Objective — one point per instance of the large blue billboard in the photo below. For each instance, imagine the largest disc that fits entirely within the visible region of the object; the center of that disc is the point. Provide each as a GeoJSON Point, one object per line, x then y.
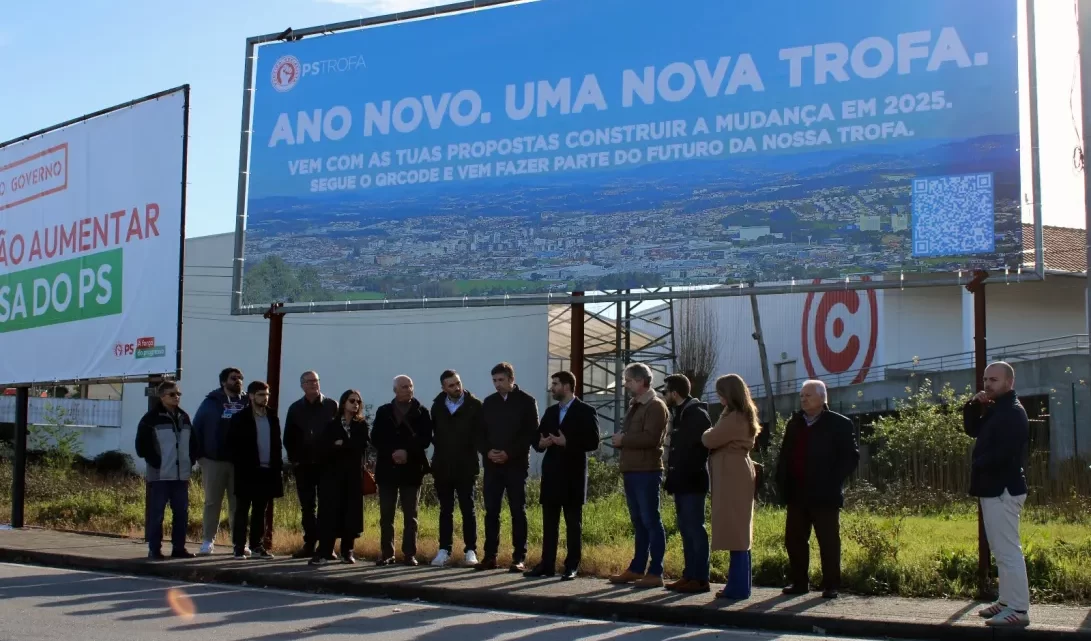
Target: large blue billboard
{"type": "Point", "coordinates": [558, 145]}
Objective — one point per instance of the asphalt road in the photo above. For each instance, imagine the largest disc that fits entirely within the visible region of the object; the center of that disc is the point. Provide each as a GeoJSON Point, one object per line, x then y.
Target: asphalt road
{"type": "Point", "coordinates": [38, 604]}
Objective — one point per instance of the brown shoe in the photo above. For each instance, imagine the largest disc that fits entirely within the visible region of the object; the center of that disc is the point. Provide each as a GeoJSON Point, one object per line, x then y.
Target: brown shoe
{"type": "Point", "coordinates": [488, 563]}
{"type": "Point", "coordinates": [674, 585]}
{"type": "Point", "coordinates": [694, 587]}
{"type": "Point", "coordinates": [649, 581]}
{"type": "Point", "coordinates": [626, 577]}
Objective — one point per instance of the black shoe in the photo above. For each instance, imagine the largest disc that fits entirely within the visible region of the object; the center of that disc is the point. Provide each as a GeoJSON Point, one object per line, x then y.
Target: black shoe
{"type": "Point", "coordinates": [182, 554]}
{"type": "Point", "coordinates": [568, 575]}
{"type": "Point", "coordinates": [829, 594]}
{"type": "Point", "coordinates": [382, 562]}
{"type": "Point", "coordinates": [262, 553]}
{"type": "Point", "coordinates": [517, 567]}
{"type": "Point", "coordinates": [538, 572]}
{"type": "Point", "coordinates": [794, 589]}
{"type": "Point", "coordinates": [488, 563]}
{"type": "Point", "coordinates": [155, 555]}
{"type": "Point", "coordinates": [317, 560]}
{"type": "Point", "coordinates": [348, 558]}
{"type": "Point", "coordinates": [410, 561]}
{"type": "Point", "coordinates": [332, 557]}
{"type": "Point", "coordinates": [306, 552]}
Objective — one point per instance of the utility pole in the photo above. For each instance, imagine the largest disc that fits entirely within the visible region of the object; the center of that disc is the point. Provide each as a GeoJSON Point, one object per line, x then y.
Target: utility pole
{"type": "Point", "coordinates": [771, 398]}
{"type": "Point", "coordinates": [977, 288]}
{"type": "Point", "coordinates": [272, 376]}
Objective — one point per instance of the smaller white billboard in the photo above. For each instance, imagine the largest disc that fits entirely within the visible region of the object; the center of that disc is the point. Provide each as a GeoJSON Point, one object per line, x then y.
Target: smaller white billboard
{"type": "Point", "coordinates": [91, 228]}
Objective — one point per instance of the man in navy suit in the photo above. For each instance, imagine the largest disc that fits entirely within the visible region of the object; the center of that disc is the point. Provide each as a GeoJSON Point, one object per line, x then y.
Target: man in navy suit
{"type": "Point", "coordinates": [568, 431]}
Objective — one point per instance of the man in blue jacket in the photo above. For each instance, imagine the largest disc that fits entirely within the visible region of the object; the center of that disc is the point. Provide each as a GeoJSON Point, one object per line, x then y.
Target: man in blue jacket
{"type": "Point", "coordinates": [996, 418]}
{"type": "Point", "coordinates": [211, 425]}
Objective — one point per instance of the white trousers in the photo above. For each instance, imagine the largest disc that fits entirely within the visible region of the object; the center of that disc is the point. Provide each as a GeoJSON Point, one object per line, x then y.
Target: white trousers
{"type": "Point", "coordinates": [1001, 516]}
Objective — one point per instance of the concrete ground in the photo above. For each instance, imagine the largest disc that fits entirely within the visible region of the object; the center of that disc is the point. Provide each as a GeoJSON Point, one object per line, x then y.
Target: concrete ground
{"type": "Point", "coordinates": [39, 604]}
{"type": "Point", "coordinates": [586, 598]}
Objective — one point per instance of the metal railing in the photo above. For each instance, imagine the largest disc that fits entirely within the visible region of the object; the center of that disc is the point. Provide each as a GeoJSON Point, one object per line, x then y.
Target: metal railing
{"type": "Point", "coordinates": [73, 411]}
{"type": "Point", "coordinates": [1020, 352]}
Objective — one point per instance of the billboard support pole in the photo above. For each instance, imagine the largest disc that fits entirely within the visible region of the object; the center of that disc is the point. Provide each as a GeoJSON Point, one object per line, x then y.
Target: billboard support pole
{"type": "Point", "coordinates": [577, 341]}
{"type": "Point", "coordinates": [771, 398]}
{"type": "Point", "coordinates": [272, 377]}
{"type": "Point", "coordinates": [19, 473]}
{"type": "Point", "coordinates": [1084, 20]}
{"type": "Point", "coordinates": [244, 173]}
{"type": "Point", "coordinates": [977, 288]}
{"type": "Point", "coordinates": [151, 392]}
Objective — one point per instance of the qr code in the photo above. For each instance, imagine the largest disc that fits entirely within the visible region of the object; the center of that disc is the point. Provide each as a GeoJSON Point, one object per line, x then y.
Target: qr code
{"type": "Point", "coordinates": [953, 215]}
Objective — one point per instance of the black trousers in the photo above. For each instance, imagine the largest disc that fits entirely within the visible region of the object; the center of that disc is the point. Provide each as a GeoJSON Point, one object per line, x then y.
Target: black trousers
{"type": "Point", "coordinates": [445, 492]}
{"type": "Point", "coordinates": [551, 526]}
{"type": "Point", "coordinates": [307, 478]}
{"type": "Point", "coordinates": [249, 509]}
{"type": "Point", "coordinates": [513, 480]}
{"type": "Point", "coordinates": [388, 504]}
{"type": "Point", "coordinates": [826, 523]}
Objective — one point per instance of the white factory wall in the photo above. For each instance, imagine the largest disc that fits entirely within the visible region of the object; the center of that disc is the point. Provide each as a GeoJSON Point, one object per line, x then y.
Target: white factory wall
{"type": "Point", "coordinates": [361, 350]}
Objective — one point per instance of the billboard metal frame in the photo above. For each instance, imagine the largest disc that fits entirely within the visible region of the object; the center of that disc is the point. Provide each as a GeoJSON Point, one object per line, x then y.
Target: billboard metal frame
{"type": "Point", "coordinates": [177, 372]}
{"type": "Point", "coordinates": [933, 279]}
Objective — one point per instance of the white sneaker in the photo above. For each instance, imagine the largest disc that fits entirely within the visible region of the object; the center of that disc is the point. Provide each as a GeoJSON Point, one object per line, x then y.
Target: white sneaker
{"type": "Point", "coordinates": [441, 559]}
{"type": "Point", "coordinates": [991, 611]}
{"type": "Point", "coordinates": [470, 559]}
{"type": "Point", "coordinates": [207, 548]}
{"type": "Point", "coordinates": [1008, 618]}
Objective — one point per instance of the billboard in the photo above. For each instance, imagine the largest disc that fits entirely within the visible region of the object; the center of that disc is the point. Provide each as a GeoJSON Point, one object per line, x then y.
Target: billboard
{"type": "Point", "coordinates": [91, 232]}
{"type": "Point", "coordinates": [565, 145]}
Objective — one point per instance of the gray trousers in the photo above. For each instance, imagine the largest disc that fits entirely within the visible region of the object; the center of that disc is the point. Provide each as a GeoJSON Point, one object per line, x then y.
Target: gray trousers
{"type": "Point", "coordinates": [217, 477]}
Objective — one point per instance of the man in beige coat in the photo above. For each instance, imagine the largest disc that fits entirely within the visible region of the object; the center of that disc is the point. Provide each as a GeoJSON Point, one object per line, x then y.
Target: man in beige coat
{"type": "Point", "coordinates": [641, 445]}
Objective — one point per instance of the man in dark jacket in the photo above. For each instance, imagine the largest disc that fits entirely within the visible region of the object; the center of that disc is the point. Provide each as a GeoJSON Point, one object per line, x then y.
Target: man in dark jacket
{"type": "Point", "coordinates": [996, 418]}
{"type": "Point", "coordinates": [511, 429]}
{"type": "Point", "coordinates": [569, 430]}
{"type": "Point", "coordinates": [165, 440]}
{"type": "Point", "coordinates": [303, 426]}
{"type": "Point", "coordinates": [254, 442]}
{"type": "Point", "coordinates": [401, 436]}
{"type": "Point", "coordinates": [211, 424]}
{"type": "Point", "coordinates": [817, 457]}
{"type": "Point", "coordinates": [459, 432]}
{"type": "Point", "coordinates": [687, 480]}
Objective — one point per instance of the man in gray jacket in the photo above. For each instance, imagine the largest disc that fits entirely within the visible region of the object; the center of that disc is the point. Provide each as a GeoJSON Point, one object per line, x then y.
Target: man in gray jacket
{"type": "Point", "coordinates": [165, 440]}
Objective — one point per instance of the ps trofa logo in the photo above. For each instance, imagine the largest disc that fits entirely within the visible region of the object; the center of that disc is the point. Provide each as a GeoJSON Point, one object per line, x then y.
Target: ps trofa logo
{"type": "Point", "coordinates": [286, 73]}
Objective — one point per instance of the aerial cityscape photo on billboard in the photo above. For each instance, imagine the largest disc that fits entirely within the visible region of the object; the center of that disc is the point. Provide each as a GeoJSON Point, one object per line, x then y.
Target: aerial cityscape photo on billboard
{"type": "Point", "coordinates": [565, 145]}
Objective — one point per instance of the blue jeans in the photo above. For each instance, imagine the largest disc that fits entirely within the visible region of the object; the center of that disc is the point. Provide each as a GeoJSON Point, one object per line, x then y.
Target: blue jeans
{"type": "Point", "coordinates": [160, 493]}
{"type": "Point", "coordinates": [642, 495]}
{"type": "Point", "coordinates": [690, 511]}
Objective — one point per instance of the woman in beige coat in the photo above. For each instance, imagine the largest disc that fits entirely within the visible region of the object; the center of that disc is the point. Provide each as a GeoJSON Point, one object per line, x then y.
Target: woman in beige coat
{"type": "Point", "coordinates": [731, 481]}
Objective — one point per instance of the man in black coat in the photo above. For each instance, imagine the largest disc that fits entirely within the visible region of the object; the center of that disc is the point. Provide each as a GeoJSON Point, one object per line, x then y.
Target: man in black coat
{"type": "Point", "coordinates": [459, 430]}
{"type": "Point", "coordinates": [687, 480]}
{"type": "Point", "coordinates": [998, 421]}
{"type": "Point", "coordinates": [255, 450]}
{"type": "Point", "coordinates": [817, 457]}
{"type": "Point", "coordinates": [568, 431]}
{"type": "Point", "coordinates": [511, 429]}
{"type": "Point", "coordinates": [304, 424]}
{"type": "Point", "coordinates": [401, 436]}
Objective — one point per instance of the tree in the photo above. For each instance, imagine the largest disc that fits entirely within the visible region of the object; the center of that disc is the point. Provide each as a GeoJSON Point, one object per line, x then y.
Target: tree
{"type": "Point", "coordinates": [698, 338]}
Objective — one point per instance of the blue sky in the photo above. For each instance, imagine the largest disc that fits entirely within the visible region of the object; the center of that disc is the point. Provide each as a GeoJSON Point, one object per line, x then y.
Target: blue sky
{"type": "Point", "coordinates": [62, 59]}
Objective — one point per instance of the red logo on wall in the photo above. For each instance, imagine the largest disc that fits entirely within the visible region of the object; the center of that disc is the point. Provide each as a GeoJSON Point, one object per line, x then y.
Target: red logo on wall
{"type": "Point", "coordinates": [145, 343]}
{"type": "Point", "coordinates": [124, 349]}
{"type": "Point", "coordinates": [836, 345]}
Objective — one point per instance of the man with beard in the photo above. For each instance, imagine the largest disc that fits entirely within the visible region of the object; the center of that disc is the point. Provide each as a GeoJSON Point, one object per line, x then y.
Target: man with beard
{"type": "Point", "coordinates": [211, 425]}
{"type": "Point", "coordinates": [568, 431]}
{"type": "Point", "coordinates": [459, 433]}
{"type": "Point", "coordinates": [254, 442]}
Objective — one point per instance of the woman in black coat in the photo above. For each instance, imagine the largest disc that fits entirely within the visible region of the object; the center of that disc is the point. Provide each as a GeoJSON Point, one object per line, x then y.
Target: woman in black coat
{"type": "Point", "coordinates": [343, 447]}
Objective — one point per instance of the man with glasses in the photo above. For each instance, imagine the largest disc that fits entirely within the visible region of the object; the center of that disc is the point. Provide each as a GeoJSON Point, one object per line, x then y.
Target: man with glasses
{"type": "Point", "coordinates": [211, 425]}
{"type": "Point", "coordinates": [165, 440]}
{"type": "Point", "coordinates": [303, 426]}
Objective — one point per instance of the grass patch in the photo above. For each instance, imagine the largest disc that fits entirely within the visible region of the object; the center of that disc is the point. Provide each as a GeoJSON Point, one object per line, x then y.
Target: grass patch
{"type": "Point", "coordinates": [911, 552]}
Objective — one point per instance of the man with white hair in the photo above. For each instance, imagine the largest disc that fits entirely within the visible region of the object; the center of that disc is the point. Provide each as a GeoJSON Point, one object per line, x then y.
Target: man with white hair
{"type": "Point", "coordinates": [641, 443]}
{"type": "Point", "coordinates": [817, 457]}
{"type": "Point", "coordinates": [996, 418]}
{"type": "Point", "coordinates": [401, 434]}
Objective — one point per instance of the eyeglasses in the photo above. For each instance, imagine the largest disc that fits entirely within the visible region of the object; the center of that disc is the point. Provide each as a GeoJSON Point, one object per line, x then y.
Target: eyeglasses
{"type": "Point", "coordinates": [354, 401]}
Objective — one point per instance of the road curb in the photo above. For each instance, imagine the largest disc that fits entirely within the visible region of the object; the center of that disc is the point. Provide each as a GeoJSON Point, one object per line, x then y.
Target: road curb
{"type": "Point", "coordinates": [674, 614]}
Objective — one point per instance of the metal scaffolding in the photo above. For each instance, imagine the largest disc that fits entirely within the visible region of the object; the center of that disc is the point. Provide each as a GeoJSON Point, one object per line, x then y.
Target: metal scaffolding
{"type": "Point", "coordinates": [614, 335]}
